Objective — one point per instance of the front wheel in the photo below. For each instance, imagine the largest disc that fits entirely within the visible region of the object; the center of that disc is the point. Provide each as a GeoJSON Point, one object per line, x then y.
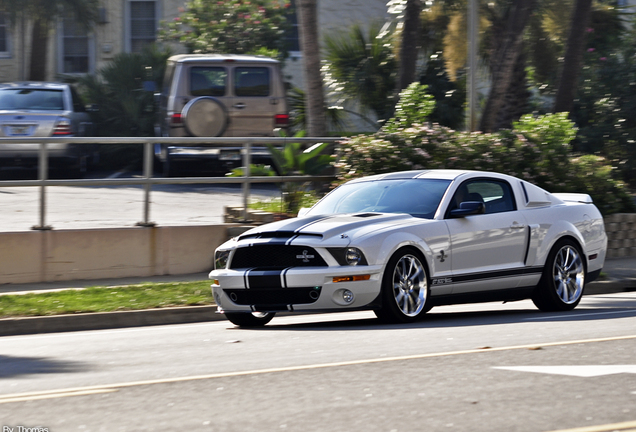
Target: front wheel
{"type": "Point", "coordinates": [254, 319]}
{"type": "Point", "coordinates": [405, 290]}
{"type": "Point", "coordinates": [561, 285]}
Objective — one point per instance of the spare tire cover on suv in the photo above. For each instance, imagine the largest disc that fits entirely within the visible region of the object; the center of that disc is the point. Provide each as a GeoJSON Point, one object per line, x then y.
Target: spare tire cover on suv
{"type": "Point", "coordinates": [205, 117]}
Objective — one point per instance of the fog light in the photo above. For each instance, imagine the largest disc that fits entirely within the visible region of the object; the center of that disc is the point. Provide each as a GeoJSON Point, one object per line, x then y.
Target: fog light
{"type": "Point", "coordinates": [347, 296]}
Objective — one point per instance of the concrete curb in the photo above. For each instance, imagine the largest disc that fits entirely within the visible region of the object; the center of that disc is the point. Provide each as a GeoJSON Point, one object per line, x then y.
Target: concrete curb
{"type": "Point", "coordinates": [181, 315]}
{"type": "Point", "coordinates": [108, 320]}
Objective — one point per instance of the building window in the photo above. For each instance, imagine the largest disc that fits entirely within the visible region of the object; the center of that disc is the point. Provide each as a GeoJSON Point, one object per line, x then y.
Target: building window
{"type": "Point", "coordinates": [75, 48]}
{"type": "Point", "coordinates": [291, 35]}
{"type": "Point", "coordinates": [142, 24]}
{"type": "Point", "coordinates": [4, 36]}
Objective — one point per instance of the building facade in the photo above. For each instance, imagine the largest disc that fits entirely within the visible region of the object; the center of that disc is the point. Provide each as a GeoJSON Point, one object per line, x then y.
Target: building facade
{"type": "Point", "coordinates": [129, 25]}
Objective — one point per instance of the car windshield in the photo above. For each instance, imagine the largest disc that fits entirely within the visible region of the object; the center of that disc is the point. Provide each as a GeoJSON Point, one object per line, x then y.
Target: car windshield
{"type": "Point", "coordinates": [31, 99]}
{"type": "Point", "coordinates": [417, 197]}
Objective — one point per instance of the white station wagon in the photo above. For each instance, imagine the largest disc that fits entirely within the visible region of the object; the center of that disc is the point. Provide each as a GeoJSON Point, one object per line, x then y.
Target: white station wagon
{"type": "Point", "coordinates": [404, 242]}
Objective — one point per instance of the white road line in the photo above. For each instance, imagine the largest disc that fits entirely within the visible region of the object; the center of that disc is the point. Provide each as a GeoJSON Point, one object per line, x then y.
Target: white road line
{"type": "Point", "coordinates": [114, 386]}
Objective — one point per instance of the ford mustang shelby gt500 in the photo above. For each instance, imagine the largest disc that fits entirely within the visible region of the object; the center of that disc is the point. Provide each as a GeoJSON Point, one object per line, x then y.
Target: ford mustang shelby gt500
{"type": "Point", "coordinates": [404, 242]}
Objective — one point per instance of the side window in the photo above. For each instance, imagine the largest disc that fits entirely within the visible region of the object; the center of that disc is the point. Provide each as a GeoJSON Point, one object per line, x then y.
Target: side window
{"type": "Point", "coordinates": [495, 194]}
{"type": "Point", "coordinates": [251, 81]}
{"type": "Point", "coordinates": [208, 81]}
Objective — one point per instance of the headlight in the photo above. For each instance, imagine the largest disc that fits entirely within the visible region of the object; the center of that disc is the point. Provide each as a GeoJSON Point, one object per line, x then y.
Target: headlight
{"type": "Point", "coordinates": [353, 256]}
{"type": "Point", "coordinates": [348, 256]}
{"type": "Point", "coordinates": [220, 259]}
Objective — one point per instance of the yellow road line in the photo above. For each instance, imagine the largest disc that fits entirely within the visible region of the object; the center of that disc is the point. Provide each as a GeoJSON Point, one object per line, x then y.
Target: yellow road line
{"type": "Point", "coordinates": [615, 427]}
{"type": "Point", "coordinates": [114, 386]}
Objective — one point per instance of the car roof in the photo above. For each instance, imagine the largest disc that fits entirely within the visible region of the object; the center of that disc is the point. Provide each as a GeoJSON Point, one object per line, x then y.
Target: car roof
{"type": "Point", "coordinates": [441, 174]}
{"type": "Point", "coordinates": [34, 85]}
{"type": "Point", "coordinates": [221, 58]}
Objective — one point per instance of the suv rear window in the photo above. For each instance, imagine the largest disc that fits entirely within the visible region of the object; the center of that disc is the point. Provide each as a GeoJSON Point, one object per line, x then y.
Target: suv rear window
{"type": "Point", "coordinates": [251, 81]}
{"type": "Point", "coordinates": [208, 81]}
{"type": "Point", "coordinates": [32, 99]}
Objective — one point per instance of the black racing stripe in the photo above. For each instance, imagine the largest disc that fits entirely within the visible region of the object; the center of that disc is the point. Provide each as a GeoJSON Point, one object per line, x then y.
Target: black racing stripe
{"type": "Point", "coordinates": [322, 218]}
{"type": "Point", "coordinates": [264, 279]}
{"type": "Point", "coordinates": [497, 274]}
{"type": "Point", "coordinates": [473, 277]}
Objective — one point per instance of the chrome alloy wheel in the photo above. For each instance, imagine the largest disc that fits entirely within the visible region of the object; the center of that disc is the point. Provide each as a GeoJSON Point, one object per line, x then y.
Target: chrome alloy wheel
{"type": "Point", "coordinates": [569, 274]}
{"type": "Point", "coordinates": [410, 286]}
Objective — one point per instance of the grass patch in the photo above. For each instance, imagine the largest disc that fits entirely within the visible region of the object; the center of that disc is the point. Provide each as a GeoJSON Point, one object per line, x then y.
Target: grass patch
{"type": "Point", "coordinates": [107, 299]}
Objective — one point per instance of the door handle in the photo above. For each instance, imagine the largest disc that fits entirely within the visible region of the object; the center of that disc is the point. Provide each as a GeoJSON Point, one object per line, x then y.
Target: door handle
{"type": "Point", "coordinates": [239, 105]}
{"type": "Point", "coordinates": [516, 226]}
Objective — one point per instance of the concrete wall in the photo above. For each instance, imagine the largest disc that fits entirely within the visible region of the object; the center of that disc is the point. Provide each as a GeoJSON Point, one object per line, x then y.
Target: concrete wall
{"type": "Point", "coordinates": [621, 235]}
{"type": "Point", "coordinates": [46, 256]}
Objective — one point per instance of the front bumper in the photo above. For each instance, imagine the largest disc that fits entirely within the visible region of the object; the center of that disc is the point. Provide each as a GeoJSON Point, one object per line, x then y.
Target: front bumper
{"type": "Point", "coordinates": [295, 289]}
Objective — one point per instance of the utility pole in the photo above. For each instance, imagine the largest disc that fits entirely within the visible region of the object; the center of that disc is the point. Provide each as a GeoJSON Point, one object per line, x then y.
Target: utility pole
{"type": "Point", "coordinates": [473, 39]}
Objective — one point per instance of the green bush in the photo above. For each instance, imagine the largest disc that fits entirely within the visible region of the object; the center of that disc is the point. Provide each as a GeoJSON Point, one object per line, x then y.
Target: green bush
{"type": "Point", "coordinates": [537, 149]}
{"type": "Point", "coordinates": [125, 105]}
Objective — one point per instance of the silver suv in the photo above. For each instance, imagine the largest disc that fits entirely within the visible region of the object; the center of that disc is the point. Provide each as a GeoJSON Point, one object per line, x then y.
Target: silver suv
{"type": "Point", "coordinates": [43, 109]}
{"type": "Point", "coordinates": [212, 95]}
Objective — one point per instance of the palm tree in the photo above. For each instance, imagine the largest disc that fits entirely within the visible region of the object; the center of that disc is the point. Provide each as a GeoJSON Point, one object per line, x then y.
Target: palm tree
{"type": "Point", "coordinates": [410, 43]}
{"type": "Point", "coordinates": [573, 56]}
{"type": "Point", "coordinates": [315, 100]}
{"type": "Point", "coordinates": [505, 57]}
{"type": "Point", "coordinates": [364, 68]}
{"type": "Point", "coordinates": [42, 14]}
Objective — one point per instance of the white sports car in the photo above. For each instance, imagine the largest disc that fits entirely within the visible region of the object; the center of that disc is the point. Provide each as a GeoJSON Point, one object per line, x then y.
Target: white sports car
{"type": "Point", "coordinates": [404, 242]}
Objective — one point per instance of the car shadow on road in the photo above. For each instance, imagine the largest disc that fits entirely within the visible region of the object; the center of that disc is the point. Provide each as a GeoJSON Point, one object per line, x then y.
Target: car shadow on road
{"type": "Point", "coordinates": [445, 317]}
{"type": "Point", "coordinates": [11, 366]}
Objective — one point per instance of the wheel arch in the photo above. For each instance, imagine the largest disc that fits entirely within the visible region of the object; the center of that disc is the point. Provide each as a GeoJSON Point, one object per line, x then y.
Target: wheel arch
{"type": "Point", "coordinates": [558, 232]}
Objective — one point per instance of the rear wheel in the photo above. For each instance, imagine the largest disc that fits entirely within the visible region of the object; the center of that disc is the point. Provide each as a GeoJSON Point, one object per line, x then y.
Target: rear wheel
{"type": "Point", "coordinates": [563, 280]}
{"type": "Point", "coordinates": [254, 319]}
{"type": "Point", "coordinates": [405, 289]}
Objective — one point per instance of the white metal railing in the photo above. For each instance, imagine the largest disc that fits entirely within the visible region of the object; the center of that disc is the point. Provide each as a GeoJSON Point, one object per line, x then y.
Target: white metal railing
{"type": "Point", "coordinates": [148, 179]}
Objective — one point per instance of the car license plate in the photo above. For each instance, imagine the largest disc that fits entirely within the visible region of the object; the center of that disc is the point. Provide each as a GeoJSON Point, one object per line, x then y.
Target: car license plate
{"type": "Point", "coordinates": [20, 130]}
{"type": "Point", "coordinates": [230, 155]}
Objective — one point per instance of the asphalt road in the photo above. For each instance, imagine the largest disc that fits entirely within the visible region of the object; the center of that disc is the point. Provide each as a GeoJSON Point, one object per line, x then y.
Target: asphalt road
{"type": "Point", "coordinates": [489, 367]}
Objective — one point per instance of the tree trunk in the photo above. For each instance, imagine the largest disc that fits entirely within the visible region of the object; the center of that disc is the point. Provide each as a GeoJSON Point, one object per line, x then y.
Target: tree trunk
{"type": "Point", "coordinates": [504, 60]}
{"type": "Point", "coordinates": [314, 96]}
{"type": "Point", "coordinates": [410, 43]}
{"type": "Point", "coordinates": [39, 43]}
{"type": "Point", "coordinates": [517, 97]}
{"type": "Point", "coordinates": [573, 56]}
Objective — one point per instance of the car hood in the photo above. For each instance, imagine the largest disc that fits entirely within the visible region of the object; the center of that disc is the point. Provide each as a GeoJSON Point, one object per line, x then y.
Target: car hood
{"type": "Point", "coordinates": [328, 226]}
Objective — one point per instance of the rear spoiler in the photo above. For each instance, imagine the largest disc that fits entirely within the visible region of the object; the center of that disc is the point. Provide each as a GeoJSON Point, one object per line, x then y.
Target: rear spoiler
{"type": "Point", "coordinates": [574, 197]}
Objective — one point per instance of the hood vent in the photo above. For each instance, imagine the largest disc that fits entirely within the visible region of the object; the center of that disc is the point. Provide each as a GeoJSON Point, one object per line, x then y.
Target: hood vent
{"type": "Point", "coordinates": [276, 235]}
{"type": "Point", "coordinates": [366, 215]}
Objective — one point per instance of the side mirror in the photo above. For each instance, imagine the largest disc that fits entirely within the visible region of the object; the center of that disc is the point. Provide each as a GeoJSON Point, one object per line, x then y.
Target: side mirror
{"type": "Point", "coordinates": [468, 208]}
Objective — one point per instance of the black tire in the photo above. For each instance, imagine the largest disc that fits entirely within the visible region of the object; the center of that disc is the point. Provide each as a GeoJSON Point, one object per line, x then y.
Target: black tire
{"type": "Point", "coordinates": [405, 288]}
{"type": "Point", "coordinates": [563, 280]}
{"type": "Point", "coordinates": [169, 167]}
{"type": "Point", "coordinates": [255, 319]}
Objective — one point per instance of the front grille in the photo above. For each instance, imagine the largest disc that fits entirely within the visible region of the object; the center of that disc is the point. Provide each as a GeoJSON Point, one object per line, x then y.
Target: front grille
{"type": "Point", "coordinates": [276, 256]}
{"type": "Point", "coordinates": [273, 298]}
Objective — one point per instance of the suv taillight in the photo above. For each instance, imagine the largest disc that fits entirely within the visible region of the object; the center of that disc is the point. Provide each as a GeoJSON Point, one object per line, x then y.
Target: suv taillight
{"type": "Point", "coordinates": [176, 119]}
{"type": "Point", "coordinates": [62, 127]}
{"type": "Point", "coordinates": [281, 120]}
